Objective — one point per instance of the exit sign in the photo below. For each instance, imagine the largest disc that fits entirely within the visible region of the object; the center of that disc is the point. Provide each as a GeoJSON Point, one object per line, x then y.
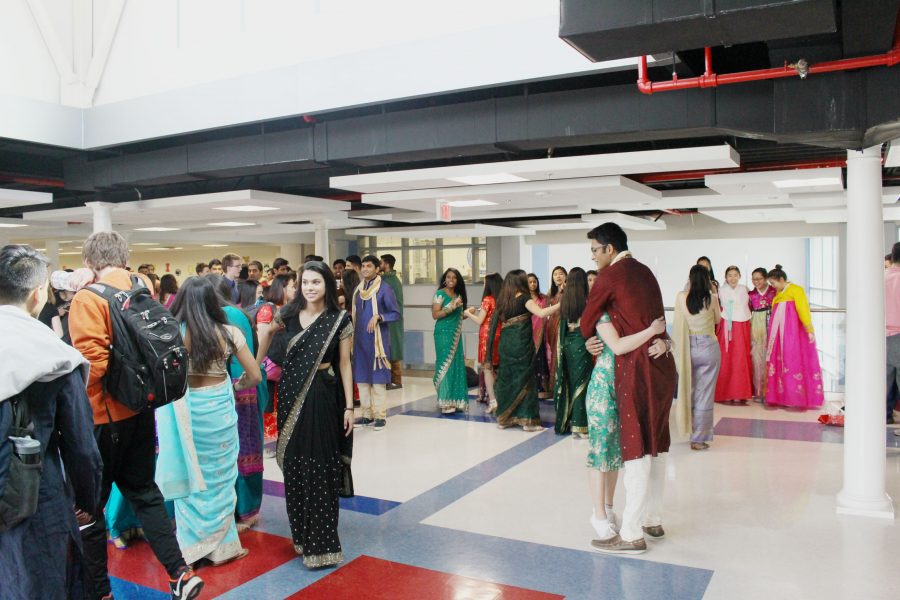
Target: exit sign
{"type": "Point", "coordinates": [443, 211]}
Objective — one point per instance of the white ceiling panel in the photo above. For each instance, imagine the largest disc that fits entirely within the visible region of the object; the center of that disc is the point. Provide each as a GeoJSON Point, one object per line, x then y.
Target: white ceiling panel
{"type": "Point", "coordinates": [777, 183]}
{"type": "Point", "coordinates": [758, 214]}
{"type": "Point", "coordinates": [444, 230]}
{"type": "Point", "coordinates": [628, 222]}
{"type": "Point", "coordinates": [544, 169]}
{"type": "Point", "coordinates": [20, 198]}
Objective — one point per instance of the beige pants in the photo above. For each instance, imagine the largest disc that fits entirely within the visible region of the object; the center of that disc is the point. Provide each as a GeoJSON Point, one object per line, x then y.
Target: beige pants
{"type": "Point", "coordinates": [373, 400]}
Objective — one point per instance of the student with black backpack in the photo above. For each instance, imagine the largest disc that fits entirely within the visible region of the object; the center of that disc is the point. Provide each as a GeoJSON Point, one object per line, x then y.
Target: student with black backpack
{"type": "Point", "coordinates": [138, 362]}
{"type": "Point", "coordinates": [45, 410]}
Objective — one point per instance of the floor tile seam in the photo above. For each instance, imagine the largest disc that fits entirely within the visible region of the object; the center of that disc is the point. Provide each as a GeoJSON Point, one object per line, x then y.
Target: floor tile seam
{"type": "Point", "coordinates": [484, 548]}
{"type": "Point", "coordinates": [424, 505]}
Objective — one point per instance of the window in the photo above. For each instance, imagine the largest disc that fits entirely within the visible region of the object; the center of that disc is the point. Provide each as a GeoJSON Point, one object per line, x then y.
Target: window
{"type": "Point", "coordinates": [822, 269]}
{"type": "Point", "coordinates": [423, 260]}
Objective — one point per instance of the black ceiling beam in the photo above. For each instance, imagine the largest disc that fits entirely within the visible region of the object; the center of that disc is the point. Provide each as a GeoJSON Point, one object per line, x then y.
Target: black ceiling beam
{"type": "Point", "coordinates": [612, 29]}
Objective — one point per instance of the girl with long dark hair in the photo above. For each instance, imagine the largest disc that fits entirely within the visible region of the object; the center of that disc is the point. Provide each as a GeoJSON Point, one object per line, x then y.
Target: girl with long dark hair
{"type": "Point", "coordinates": [697, 356]}
{"type": "Point", "coordinates": [204, 424]}
{"type": "Point", "coordinates": [315, 422]}
{"type": "Point", "coordinates": [573, 362]}
{"type": "Point", "coordinates": [735, 381]}
{"type": "Point", "coordinates": [761, 297]}
{"type": "Point", "coordinates": [705, 262]}
{"type": "Point", "coordinates": [249, 405]}
{"type": "Point", "coordinates": [551, 327]}
{"type": "Point", "coordinates": [515, 386]}
{"type": "Point", "coordinates": [795, 375]}
{"type": "Point", "coordinates": [541, 356]}
{"type": "Point", "coordinates": [447, 309]}
{"type": "Point", "coordinates": [482, 318]}
{"type": "Point", "coordinates": [281, 291]}
{"type": "Point", "coordinates": [168, 287]}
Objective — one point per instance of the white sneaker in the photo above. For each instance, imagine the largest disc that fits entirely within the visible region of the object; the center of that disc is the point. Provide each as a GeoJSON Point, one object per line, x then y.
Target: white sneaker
{"type": "Point", "coordinates": [613, 521]}
{"type": "Point", "coordinates": [602, 528]}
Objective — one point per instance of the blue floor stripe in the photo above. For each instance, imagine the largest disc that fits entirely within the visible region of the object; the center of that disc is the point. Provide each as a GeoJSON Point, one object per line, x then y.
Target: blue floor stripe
{"type": "Point", "coordinates": [126, 590]}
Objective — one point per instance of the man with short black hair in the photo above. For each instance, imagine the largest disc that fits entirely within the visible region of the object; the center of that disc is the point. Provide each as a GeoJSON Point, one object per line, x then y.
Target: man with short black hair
{"type": "Point", "coordinates": [255, 271]}
{"type": "Point", "coordinates": [313, 258]}
{"type": "Point", "coordinates": [44, 376]}
{"type": "Point", "coordinates": [645, 386]}
{"type": "Point", "coordinates": [373, 306]}
{"type": "Point", "coordinates": [354, 262]}
{"type": "Point", "coordinates": [390, 277]}
{"type": "Point", "coordinates": [338, 267]}
{"type": "Point", "coordinates": [231, 265]}
{"type": "Point", "coordinates": [215, 267]}
{"type": "Point", "coordinates": [281, 266]}
{"type": "Point", "coordinates": [127, 440]}
{"type": "Point", "coordinates": [201, 269]}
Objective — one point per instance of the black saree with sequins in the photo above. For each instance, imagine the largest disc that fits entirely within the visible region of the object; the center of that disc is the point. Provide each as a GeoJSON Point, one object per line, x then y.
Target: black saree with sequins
{"type": "Point", "coordinates": [313, 452]}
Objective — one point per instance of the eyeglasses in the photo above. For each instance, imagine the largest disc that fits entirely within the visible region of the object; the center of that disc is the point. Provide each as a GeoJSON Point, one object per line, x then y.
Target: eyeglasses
{"type": "Point", "coordinates": [596, 249]}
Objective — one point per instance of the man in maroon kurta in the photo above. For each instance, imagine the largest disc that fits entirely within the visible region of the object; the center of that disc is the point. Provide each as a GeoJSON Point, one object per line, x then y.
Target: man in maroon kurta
{"type": "Point", "coordinates": [645, 386]}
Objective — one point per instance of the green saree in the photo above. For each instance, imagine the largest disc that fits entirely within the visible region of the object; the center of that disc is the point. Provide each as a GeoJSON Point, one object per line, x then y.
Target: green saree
{"type": "Point", "coordinates": [450, 360]}
{"type": "Point", "coordinates": [573, 372]}
{"type": "Point", "coordinates": [515, 387]}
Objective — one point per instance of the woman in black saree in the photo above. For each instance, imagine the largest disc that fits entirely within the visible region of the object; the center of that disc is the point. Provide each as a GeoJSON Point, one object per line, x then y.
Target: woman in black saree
{"type": "Point", "coordinates": [316, 425]}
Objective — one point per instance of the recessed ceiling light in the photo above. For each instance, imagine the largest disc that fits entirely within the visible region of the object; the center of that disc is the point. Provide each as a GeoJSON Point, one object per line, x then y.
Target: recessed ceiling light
{"type": "Point", "coordinates": [145, 244]}
{"type": "Point", "coordinates": [230, 224]}
{"type": "Point", "coordinates": [69, 253]}
{"type": "Point", "coordinates": [246, 208]}
{"type": "Point", "coordinates": [215, 245]}
{"type": "Point", "coordinates": [12, 225]}
{"type": "Point", "coordinates": [487, 179]}
{"type": "Point", "coordinates": [158, 229]}
{"type": "Point", "coordinates": [802, 183]}
{"type": "Point", "coordinates": [470, 203]}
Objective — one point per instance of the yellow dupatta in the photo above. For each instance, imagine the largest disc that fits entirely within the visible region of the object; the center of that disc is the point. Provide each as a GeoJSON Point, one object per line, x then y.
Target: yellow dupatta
{"type": "Point", "coordinates": [367, 295]}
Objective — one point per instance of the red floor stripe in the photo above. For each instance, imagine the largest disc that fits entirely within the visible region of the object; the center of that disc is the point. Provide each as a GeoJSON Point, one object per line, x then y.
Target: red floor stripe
{"type": "Point", "coordinates": [139, 565]}
{"type": "Point", "coordinates": [376, 579]}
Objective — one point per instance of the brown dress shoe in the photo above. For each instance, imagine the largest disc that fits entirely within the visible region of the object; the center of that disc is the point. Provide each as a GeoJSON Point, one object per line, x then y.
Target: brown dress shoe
{"type": "Point", "coordinates": [699, 445]}
{"type": "Point", "coordinates": [655, 531]}
{"type": "Point", "coordinates": [616, 545]}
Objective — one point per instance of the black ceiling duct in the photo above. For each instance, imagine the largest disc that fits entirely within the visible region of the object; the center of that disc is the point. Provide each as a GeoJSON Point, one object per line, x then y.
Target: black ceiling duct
{"type": "Point", "coordinates": [613, 29]}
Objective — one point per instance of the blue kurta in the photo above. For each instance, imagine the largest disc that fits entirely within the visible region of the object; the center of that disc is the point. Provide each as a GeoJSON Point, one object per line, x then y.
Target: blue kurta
{"type": "Point", "coordinates": [364, 368]}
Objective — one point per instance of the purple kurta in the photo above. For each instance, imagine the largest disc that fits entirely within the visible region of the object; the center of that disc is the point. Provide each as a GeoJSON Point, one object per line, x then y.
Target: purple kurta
{"type": "Point", "coordinates": [364, 370]}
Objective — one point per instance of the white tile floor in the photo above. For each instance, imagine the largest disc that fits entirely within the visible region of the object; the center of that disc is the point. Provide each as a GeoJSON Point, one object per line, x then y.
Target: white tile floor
{"type": "Point", "coordinates": [759, 513]}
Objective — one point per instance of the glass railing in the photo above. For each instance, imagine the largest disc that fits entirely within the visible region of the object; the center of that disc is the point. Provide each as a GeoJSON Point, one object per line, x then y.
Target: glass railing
{"type": "Point", "coordinates": [830, 328]}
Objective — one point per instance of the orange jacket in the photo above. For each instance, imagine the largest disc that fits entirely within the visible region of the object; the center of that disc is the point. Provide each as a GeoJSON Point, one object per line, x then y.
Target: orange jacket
{"type": "Point", "coordinates": [91, 330]}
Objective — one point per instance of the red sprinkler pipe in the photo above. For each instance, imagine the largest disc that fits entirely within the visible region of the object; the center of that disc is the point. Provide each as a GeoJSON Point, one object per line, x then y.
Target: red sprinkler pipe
{"type": "Point", "coordinates": [800, 68]}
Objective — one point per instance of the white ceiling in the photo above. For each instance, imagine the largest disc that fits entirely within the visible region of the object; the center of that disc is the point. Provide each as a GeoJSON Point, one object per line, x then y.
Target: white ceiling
{"type": "Point", "coordinates": [18, 198]}
{"type": "Point", "coordinates": [544, 169]}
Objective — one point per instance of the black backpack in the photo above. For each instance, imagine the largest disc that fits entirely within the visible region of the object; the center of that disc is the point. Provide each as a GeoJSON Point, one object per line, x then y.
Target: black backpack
{"type": "Point", "coordinates": [19, 496]}
{"type": "Point", "coordinates": [148, 363]}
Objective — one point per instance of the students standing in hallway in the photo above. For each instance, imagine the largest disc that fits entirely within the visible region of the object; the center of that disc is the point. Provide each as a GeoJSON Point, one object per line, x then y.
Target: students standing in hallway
{"type": "Point", "coordinates": [541, 356]}
{"type": "Point", "coordinates": [515, 385]}
{"type": "Point", "coordinates": [892, 325]}
{"type": "Point", "coordinates": [735, 376]}
{"type": "Point", "coordinates": [573, 362]}
{"type": "Point", "coordinates": [447, 310]}
{"type": "Point", "coordinates": [628, 291]}
{"type": "Point", "coordinates": [127, 440]}
{"type": "Point", "coordinates": [698, 356]}
{"type": "Point", "coordinates": [551, 326]}
{"type": "Point", "coordinates": [374, 306]}
{"type": "Point", "coordinates": [795, 377]}
{"type": "Point", "coordinates": [761, 297]}
{"type": "Point", "coordinates": [482, 318]}
{"type": "Point", "coordinates": [390, 277]}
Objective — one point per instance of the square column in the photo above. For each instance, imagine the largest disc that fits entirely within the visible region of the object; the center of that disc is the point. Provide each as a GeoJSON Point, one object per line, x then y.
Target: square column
{"type": "Point", "coordinates": [102, 215]}
{"type": "Point", "coordinates": [864, 431]}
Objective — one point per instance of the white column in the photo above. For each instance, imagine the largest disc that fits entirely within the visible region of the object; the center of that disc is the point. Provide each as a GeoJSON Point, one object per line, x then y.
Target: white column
{"type": "Point", "coordinates": [864, 431]}
{"type": "Point", "coordinates": [293, 253]}
{"type": "Point", "coordinates": [102, 215]}
{"type": "Point", "coordinates": [514, 254]}
{"type": "Point", "coordinates": [322, 240]}
{"type": "Point", "coordinates": [51, 251]}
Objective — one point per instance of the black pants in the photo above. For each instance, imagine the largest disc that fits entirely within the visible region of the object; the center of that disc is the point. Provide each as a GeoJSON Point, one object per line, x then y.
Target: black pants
{"type": "Point", "coordinates": [129, 460]}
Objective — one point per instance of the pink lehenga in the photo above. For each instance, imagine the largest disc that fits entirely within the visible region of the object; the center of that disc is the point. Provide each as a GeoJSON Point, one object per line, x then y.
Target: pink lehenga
{"type": "Point", "coordinates": [794, 373]}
